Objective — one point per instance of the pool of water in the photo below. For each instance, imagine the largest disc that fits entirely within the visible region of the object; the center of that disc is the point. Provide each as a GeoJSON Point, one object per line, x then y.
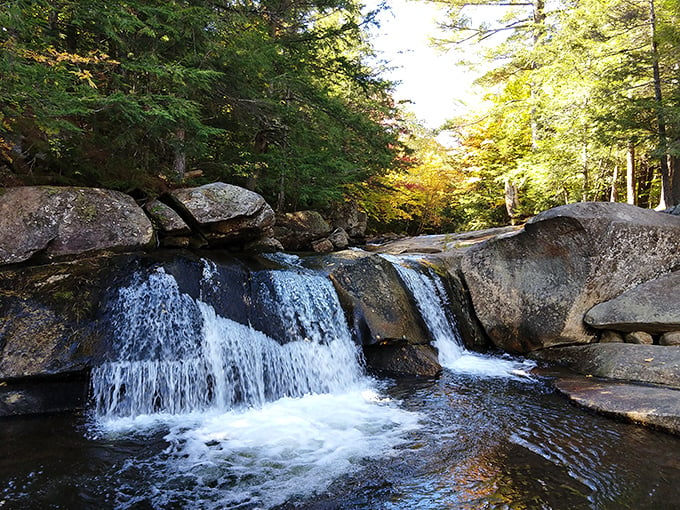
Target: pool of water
{"type": "Point", "coordinates": [458, 441]}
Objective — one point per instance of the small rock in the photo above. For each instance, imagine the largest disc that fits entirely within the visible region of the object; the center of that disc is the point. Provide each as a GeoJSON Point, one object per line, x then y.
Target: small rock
{"type": "Point", "coordinates": [322, 246]}
{"type": "Point", "coordinates": [670, 338]}
{"type": "Point", "coordinates": [611, 337]}
{"type": "Point", "coordinates": [167, 219]}
{"type": "Point", "coordinates": [639, 337]}
{"type": "Point", "coordinates": [264, 245]}
{"type": "Point", "coordinates": [339, 238]}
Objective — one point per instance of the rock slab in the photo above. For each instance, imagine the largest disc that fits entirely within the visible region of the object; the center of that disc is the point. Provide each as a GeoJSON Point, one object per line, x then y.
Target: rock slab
{"type": "Point", "coordinates": [532, 289]}
{"type": "Point", "coordinates": [653, 307]}
{"type": "Point", "coordinates": [654, 364]}
{"type": "Point", "coordinates": [380, 310]}
{"type": "Point", "coordinates": [55, 222]}
{"type": "Point", "coordinates": [653, 406]}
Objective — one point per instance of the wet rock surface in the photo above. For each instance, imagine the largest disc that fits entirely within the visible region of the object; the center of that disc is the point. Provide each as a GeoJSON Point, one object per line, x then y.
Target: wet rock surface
{"type": "Point", "coordinates": [654, 406]}
{"type": "Point", "coordinates": [379, 308]}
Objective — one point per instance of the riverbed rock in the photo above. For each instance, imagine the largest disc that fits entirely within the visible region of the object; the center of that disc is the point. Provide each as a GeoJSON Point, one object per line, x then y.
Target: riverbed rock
{"type": "Point", "coordinates": [532, 289]}
{"type": "Point", "coordinates": [297, 231]}
{"type": "Point", "coordinates": [380, 310]}
{"type": "Point", "coordinates": [653, 364]}
{"type": "Point", "coordinates": [223, 213]}
{"type": "Point", "coordinates": [403, 360]}
{"type": "Point", "coordinates": [50, 223]}
{"type": "Point", "coordinates": [639, 337]}
{"type": "Point", "coordinates": [671, 338]}
{"type": "Point", "coordinates": [611, 337]}
{"type": "Point", "coordinates": [652, 406]}
{"type": "Point", "coordinates": [653, 306]}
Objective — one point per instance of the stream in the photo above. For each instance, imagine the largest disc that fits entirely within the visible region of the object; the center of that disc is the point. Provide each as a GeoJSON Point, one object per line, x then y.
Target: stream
{"type": "Point", "coordinates": [198, 410]}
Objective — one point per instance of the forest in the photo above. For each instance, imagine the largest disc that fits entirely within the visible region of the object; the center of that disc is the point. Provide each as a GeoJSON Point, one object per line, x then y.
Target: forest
{"type": "Point", "coordinates": [286, 97]}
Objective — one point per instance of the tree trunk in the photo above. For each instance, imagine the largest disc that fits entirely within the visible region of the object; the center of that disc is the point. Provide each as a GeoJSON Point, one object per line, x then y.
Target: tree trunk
{"type": "Point", "coordinates": [179, 166]}
{"type": "Point", "coordinates": [666, 197]}
{"type": "Point", "coordinates": [675, 180]}
{"type": "Point", "coordinates": [630, 174]}
{"type": "Point", "coordinates": [613, 195]}
{"type": "Point", "coordinates": [511, 201]}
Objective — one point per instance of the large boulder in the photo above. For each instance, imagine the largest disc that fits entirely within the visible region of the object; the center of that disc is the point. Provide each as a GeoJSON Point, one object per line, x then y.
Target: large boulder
{"type": "Point", "coordinates": [532, 289]}
{"type": "Point", "coordinates": [653, 307]}
{"type": "Point", "coordinates": [381, 310]}
{"type": "Point", "coordinates": [298, 231]}
{"type": "Point", "coordinates": [54, 222]}
{"type": "Point", "coordinates": [224, 213]}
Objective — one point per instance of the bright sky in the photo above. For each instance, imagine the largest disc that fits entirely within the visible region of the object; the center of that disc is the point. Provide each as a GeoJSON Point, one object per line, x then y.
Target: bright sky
{"type": "Point", "coordinates": [438, 88]}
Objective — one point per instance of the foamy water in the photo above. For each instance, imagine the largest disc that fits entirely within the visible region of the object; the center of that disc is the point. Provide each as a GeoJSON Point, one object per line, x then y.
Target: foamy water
{"type": "Point", "coordinates": [432, 301]}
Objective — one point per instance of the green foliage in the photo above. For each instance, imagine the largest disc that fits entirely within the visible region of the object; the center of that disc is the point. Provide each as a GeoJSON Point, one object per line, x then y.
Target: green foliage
{"type": "Point", "coordinates": [136, 94]}
{"type": "Point", "coordinates": [572, 91]}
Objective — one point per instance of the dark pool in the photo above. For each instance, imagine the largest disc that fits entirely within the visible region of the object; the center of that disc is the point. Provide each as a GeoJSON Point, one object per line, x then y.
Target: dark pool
{"type": "Point", "coordinates": [481, 443]}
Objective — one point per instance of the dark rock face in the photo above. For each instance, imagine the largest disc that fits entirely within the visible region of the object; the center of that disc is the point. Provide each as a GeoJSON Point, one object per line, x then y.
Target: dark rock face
{"type": "Point", "coordinates": [380, 309]}
{"type": "Point", "coordinates": [58, 222]}
{"type": "Point", "coordinates": [50, 317]}
{"type": "Point", "coordinates": [532, 289]}
{"type": "Point", "coordinates": [298, 231]}
{"type": "Point", "coordinates": [224, 213]}
{"type": "Point", "coordinates": [403, 359]}
{"type": "Point", "coordinates": [653, 307]}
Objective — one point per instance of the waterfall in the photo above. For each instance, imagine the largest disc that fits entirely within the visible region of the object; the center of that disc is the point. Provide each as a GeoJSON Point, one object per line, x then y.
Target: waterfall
{"type": "Point", "coordinates": [176, 355]}
{"type": "Point", "coordinates": [432, 302]}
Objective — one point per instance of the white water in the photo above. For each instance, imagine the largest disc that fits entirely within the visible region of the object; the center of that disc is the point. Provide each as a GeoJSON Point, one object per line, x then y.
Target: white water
{"type": "Point", "coordinates": [432, 302]}
{"type": "Point", "coordinates": [251, 422]}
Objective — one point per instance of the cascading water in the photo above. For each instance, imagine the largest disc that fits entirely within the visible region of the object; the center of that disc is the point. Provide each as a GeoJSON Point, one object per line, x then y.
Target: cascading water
{"type": "Point", "coordinates": [431, 298]}
{"type": "Point", "coordinates": [176, 355]}
{"type": "Point", "coordinates": [251, 420]}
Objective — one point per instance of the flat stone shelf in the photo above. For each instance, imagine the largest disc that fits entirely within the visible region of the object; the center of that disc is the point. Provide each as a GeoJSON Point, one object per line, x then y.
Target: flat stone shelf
{"type": "Point", "coordinates": [649, 405]}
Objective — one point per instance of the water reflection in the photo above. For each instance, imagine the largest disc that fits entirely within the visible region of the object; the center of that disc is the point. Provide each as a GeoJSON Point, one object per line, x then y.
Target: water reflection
{"type": "Point", "coordinates": [481, 444]}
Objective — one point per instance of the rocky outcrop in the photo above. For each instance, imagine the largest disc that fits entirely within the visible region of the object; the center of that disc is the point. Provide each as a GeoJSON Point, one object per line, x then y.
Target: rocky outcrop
{"type": "Point", "coordinates": [52, 223]}
{"type": "Point", "coordinates": [532, 289]}
{"type": "Point", "coordinates": [403, 359]}
{"type": "Point", "coordinates": [653, 307]}
{"type": "Point", "coordinates": [348, 217]}
{"type": "Point", "coordinates": [380, 310]}
{"type": "Point", "coordinates": [223, 213]}
{"type": "Point", "coordinates": [301, 230]}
